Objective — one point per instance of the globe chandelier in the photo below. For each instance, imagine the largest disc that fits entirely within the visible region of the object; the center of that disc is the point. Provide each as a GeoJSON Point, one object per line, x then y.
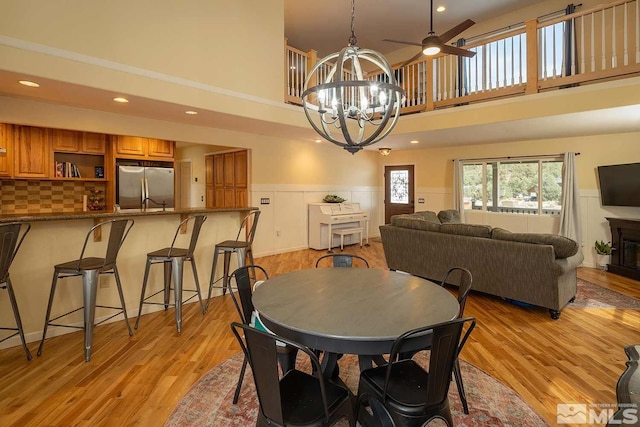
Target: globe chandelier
{"type": "Point", "coordinates": [345, 107]}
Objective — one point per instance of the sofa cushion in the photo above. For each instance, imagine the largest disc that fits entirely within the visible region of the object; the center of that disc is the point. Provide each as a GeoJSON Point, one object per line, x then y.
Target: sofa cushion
{"type": "Point", "coordinates": [472, 230]}
{"type": "Point", "coordinates": [563, 247]}
{"type": "Point", "coordinates": [428, 216]}
{"type": "Point", "coordinates": [407, 221]}
{"type": "Point", "coordinates": [449, 216]}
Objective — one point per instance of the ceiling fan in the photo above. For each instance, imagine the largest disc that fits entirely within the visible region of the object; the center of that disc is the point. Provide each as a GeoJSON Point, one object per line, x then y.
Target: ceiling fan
{"type": "Point", "coordinates": [434, 44]}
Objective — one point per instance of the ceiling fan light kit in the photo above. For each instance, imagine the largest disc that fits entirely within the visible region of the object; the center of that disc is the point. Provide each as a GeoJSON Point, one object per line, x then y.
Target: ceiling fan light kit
{"type": "Point", "coordinates": [434, 44]}
{"type": "Point", "coordinates": [345, 107]}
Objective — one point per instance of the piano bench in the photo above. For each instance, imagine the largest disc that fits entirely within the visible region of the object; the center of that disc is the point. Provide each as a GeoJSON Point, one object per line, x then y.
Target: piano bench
{"type": "Point", "coordinates": [347, 232]}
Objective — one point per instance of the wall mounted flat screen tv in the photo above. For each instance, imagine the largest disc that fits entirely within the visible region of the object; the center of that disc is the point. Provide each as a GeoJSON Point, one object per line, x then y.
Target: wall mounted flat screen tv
{"type": "Point", "coordinates": [620, 184]}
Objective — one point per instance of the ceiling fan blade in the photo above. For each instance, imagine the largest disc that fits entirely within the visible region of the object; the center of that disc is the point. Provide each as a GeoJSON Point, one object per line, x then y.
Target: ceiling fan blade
{"type": "Point", "coordinates": [402, 42]}
{"type": "Point", "coordinates": [452, 50]}
{"type": "Point", "coordinates": [445, 37]}
{"type": "Point", "coordinates": [409, 61]}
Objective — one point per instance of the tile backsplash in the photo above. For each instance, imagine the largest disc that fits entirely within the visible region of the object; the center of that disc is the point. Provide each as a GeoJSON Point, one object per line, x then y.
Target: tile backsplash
{"type": "Point", "coordinates": [21, 197]}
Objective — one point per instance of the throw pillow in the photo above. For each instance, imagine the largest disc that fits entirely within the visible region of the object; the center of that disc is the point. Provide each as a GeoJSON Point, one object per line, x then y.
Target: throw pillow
{"type": "Point", "coordinates": [428, 216]}
{"type": "Point", "coordinates": [449, 216]}
{"type": "Point", "coordinates": [563, 247]}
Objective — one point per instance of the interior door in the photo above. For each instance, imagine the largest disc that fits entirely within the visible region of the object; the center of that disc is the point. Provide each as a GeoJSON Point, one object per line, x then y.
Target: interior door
{"type": "Point", "coordinates": [398, 191]}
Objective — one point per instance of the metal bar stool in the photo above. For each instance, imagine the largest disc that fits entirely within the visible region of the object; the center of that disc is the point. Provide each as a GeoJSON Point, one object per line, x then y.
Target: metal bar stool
{"type": "Point", "coordinates": [10, 242]}
{"type": "Point", "coordinates": [241, 248]}
{"type": "Point", "coordinates": [90, 268]}
{"type": "Point", "coordinates": [173, 260]}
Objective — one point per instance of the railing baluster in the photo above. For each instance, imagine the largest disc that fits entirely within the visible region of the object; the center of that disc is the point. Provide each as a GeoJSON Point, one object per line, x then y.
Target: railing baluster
{"type": "Point", "coordinates": [497, 66]}
{"type": "Point", "coordinates": [614, 57]}
{"type": "Point", "coordinates": [593, 42]}
{"type": "Point", "coordinates": [453, 87]}
{"type": "Point", "coordinates": [445, 91]}
{"type": "Point", "coordinates": [573, 47]}
{"type": "Point", "coordinates": [477, 86]}
{"type": "Point", "coordinates": [582, 59]}
{"type": "Point", "coordinates": [637, 24]}
{"type": "Point", "coordinates": [523, 56]}
{"type": "Point", "coordinates": [625, 46]}
{"type": "Point", "coordinates": [485, 67]}
{"type": "Point", "coordinates": [603, 30]}
{"type": "Point", "coordinates": [411, 87]}
{"type": "Point", "coordinates": [554, 72]}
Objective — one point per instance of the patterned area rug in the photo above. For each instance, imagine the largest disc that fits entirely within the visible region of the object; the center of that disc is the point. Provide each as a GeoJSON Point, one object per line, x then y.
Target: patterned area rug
{"type": "Point", "coordinates": [593, 296]}
{"type": "Point", "coordinates": [208, 403]}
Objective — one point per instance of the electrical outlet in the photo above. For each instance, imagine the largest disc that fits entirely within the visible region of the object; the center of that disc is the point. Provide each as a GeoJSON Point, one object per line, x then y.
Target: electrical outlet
{"type": "Point", "coordinates": [265, 201]}
{"type": "Point", "coordinates": [420, 200]}
{"type": "Point", "coordinates": [278, 233]}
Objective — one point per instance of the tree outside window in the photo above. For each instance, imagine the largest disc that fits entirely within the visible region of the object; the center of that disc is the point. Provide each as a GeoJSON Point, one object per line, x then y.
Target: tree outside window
{"type": "Point", "coordinates": [531, 186]}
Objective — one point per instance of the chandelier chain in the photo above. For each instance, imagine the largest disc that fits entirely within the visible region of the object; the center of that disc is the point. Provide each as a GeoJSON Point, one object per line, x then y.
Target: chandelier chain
{"type": "Point", "coordinates": [353, 41]}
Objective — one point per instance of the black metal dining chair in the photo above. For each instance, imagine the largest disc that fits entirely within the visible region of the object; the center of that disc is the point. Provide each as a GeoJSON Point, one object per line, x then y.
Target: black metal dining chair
{"type": "Point", "coordinates": [412, 395]}
{"type": "Point", "coordinates": [10, 242]}
{"type": "Point", "coordinates": [248, 315]}
{"type": "Point", "coordinates": [297, 398]}
{"type": "Point", "coordinates": [462, 278]}
{"type": "Point", "coordinates": [341, 260]}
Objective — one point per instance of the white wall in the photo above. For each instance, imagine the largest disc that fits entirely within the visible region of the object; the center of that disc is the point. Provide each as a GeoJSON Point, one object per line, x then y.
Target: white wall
{"type": "Point", "coordinates": [283, 223]}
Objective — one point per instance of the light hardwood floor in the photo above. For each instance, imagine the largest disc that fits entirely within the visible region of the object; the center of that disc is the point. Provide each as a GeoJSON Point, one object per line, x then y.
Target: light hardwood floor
{"type": "Point", "coordinates": [138, 380]}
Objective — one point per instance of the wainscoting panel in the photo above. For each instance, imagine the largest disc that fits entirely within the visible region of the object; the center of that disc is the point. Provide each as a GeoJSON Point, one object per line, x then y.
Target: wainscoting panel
{"type": "Point", "coordinates": [284, 221]}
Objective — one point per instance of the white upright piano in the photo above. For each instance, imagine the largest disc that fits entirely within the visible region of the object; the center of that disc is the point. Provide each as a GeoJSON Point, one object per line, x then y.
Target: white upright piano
{"type": "Point", "coordinates": [324, 218]}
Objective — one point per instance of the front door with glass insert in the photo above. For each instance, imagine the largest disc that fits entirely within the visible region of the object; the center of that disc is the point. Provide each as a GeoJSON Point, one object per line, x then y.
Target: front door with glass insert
{"type": "Point", "coordinates": [398, 191]}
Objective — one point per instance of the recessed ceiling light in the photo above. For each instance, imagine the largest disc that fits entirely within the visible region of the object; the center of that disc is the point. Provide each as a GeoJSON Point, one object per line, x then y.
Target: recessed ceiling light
{"type": "Point", "coordinates": [28, 83]}
{"type": "Point", "coordinates": [414, 141]}
{"type": "Point", "coordinates": [191, 112]}
{"type": "Point", "coordinates": [318, 141]}
{"type": "Point", "coordinates": [440, 9]}
{"type": "Point", "coordinates": [121, 100]}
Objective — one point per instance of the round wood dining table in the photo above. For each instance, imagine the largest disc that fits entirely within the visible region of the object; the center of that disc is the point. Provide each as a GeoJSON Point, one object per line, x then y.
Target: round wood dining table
{"type": "Point", "coordinates": [350, 310]}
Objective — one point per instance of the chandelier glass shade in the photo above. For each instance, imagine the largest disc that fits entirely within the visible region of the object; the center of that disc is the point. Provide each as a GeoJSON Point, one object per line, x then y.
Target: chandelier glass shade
{"type": "Point", "coordinates": [345, 106]}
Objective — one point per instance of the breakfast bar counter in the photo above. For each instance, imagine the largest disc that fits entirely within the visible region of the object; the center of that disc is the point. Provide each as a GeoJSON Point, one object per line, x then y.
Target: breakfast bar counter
{"type": "Point", "coordinates": [58, 237]}
{"type": "Point", "coordinates": [102, 214]}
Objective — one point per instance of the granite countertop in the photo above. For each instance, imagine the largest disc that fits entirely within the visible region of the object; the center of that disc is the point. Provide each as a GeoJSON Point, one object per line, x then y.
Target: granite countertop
{"type": "Point", "coordinates": [53, 216]}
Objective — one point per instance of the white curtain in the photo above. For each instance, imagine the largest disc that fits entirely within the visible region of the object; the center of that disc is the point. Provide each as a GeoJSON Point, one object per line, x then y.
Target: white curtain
{"type": "Point", "coordinates": [570, 213]}
{"type": "Point", "coordinates": [458, 193]}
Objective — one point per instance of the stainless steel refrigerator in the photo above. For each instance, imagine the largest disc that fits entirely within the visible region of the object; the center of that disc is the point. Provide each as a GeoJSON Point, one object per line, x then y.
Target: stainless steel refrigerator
{"type": "Point", "coordinates": [145, 187]}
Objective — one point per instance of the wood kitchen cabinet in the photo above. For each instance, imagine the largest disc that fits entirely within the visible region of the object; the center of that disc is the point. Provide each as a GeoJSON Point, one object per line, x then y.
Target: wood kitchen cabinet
{"type": "Point", "coordinates": [138, 147]}
{"type": "Point", "coordinates": [6, 150]}
{"type": "Point", "coordinates": [208, 173]}
{"type": "Point", "coordinates": [226, 179]}
{"type": "Point", "coordinates": [160, 148]}
{"type": "Point", "coordinates": [66, 140]}
{"type": "Point", "coordinates": [130, 145]}
{"type": "Point", "coordinates": [94, 143]}
{"type": "Point", "coordinates": [31, 152]}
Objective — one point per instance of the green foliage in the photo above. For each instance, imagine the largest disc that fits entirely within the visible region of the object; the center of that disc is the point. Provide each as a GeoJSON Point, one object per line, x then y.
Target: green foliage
{"type": "Point", "coordinates": [603, 248]}
{"type": "Point", "coordinates": [332, 198]}
{"type": "Point", "coordinates": [515, 180]}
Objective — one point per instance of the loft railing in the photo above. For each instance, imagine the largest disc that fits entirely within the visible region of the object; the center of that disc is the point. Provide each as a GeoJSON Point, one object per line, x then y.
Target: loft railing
{"type": "Point", "coordinates": [583, 47]}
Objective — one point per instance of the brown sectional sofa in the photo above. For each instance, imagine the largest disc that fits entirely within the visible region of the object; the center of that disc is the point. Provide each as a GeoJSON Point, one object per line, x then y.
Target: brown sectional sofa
{"type": "Point", "coordinates": [537, 269]}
